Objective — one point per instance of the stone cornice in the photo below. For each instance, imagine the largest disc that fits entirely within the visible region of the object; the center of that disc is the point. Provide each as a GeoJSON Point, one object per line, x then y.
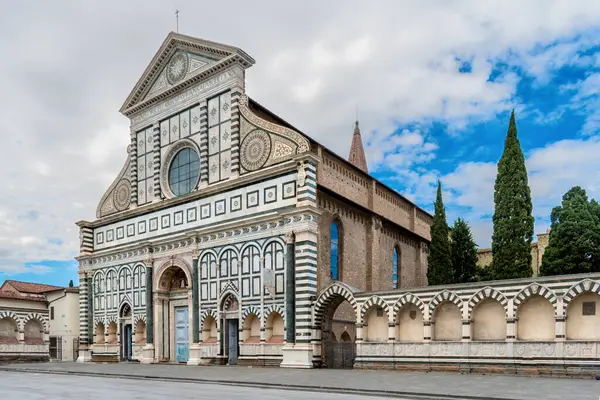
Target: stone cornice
{"type": "Point", "coordinates": [243, 180]}
{"type": "Point", "coordinates": [203, 74]}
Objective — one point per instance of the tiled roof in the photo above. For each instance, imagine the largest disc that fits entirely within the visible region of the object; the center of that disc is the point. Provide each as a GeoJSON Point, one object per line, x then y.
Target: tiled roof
{"type": "Point", "coordinates": [5, 294]}
{"type": "Point", "coordinates": [29, 287]}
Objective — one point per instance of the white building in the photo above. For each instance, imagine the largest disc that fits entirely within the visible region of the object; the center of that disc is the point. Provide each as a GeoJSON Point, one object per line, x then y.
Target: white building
{"type": "Point", "coordinates": [38, 322]}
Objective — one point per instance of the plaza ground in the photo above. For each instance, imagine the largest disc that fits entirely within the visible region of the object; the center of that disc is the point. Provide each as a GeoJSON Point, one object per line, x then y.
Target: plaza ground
{"type": "Point", "coordinates": [243, 379]}
{"type": "Point", "coordinates": [18, 386]}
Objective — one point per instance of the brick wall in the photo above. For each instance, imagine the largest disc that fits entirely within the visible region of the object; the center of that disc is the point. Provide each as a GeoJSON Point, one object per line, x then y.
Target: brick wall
{"type": "Point", "coordinates": [340, 178]}
{"type": "Point", "coordinates": [484, 256]}
{"type": "Point", "coordinates": [366, 249]}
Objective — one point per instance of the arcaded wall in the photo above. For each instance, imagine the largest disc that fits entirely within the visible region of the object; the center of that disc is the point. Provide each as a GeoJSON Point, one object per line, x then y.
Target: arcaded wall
{"type": "Point", "coordinates": [448, 322]}
{"type": "Point", "coordinates": [376, 327]}
{"type": "Point", "coordinates": [489, 321]}
{"type": "Point", "coordinates": [583, 317]}
{"type": "Point", "coordinates": [535, 319]}
{"type": "Point", "coordinates": [409, 324]}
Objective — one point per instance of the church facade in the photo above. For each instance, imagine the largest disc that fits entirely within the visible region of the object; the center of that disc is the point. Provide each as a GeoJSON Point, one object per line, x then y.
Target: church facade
{"type": "Point", "coordinates": [226, 225]}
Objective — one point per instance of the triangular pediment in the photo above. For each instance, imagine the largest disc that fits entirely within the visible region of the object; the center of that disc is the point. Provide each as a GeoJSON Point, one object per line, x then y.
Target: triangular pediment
{"type": "Point", "coordinates": [179, 60]}
{"type": "Point", "coordinates": [182, 65]}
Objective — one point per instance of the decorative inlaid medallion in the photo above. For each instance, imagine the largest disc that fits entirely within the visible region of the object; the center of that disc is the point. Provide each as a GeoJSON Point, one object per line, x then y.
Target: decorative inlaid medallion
{"type": "Point", "coordinates": [121, 195]}
{"type": "Point", "coordinates": [255, 150]}
{"type": "Point", "coordinates": [177, 68]}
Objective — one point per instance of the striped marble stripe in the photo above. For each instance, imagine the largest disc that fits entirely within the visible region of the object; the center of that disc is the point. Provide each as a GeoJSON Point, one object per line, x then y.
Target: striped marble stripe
{"type": "Point", "coordinates": [156, 161]}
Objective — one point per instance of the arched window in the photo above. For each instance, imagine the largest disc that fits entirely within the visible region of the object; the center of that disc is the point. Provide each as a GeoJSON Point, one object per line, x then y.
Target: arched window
{"type": "Point", "coordinates": [334, 261]}
{"type": "Point", "coordinates": [395, 261]}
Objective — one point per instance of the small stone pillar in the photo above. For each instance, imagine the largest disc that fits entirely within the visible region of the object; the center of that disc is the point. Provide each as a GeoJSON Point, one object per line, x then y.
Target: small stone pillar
{"type": "Point", "coordinates": [148, 355]}
{"type": "Point", "coordinates": [195, 348]}
{"type": "Point", "coordinates": [391, 332]}
{"type": "Point", "coordinates": [86, 320]}
{"type": "Point", "coordinates": [466, 330]}
{"type": "Point", "coordinates": [427, 330]}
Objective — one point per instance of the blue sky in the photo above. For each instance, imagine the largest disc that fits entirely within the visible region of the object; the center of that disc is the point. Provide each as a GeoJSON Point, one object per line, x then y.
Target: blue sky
{"type": "Point", "coordinates": [434, 82]}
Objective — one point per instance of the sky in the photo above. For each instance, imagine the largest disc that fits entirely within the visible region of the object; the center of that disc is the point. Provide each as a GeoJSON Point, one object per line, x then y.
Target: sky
{"type": "Point", "coordinates": [434, 83]}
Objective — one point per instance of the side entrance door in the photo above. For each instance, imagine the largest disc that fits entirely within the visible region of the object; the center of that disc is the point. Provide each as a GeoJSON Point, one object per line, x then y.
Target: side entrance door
{"type": "Point", "coordinates": [181, 334]}
{"type": "Point", "coordinates": [232, 328]}
{"type": "Point", "coordinates": [126, 345]}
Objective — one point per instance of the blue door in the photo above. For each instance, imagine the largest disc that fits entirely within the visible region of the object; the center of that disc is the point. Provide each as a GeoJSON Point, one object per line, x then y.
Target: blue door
{"type": "Point", "coordinates": [128, 336]}
{"type": "Point", "coordinates": [232, 329]}
{"type": "Point", "coordinates": [181, 334]}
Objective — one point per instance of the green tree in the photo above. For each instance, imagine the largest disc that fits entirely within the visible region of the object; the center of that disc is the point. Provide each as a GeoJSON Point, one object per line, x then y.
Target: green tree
{"type": "Point", "coordinates": [439, 270]}
{"type": "Point", "coordinates": [513, 222]}
{"type": "Point", "coordinates": [483, 273]}
{"type": "Point", "coordinates": [464, 252]}
{"type": "Point", "coordinates": [71, 283]}
{"type": "Point", "coordinates": [574, 243]}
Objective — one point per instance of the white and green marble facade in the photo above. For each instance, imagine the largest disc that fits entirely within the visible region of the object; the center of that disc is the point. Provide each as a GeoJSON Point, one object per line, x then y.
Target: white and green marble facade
{"type": "Point", "coordinates": [253, 203]}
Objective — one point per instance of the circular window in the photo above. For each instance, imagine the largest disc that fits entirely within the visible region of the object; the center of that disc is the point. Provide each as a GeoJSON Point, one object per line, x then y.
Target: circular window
{"type": "Point", "coordinates": [184, 172]}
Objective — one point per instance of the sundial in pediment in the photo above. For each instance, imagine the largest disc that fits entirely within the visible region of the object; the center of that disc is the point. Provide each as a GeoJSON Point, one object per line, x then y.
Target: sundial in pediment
{"type": "Point", "coordinates": [181, 66]}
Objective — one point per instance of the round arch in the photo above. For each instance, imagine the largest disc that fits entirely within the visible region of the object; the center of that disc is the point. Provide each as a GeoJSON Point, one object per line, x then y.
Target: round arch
{"type": "Point", "coordinates": [207, 313]}
{"type": "Point", "coordinates": [483, 294]}
{"type": "Point", "coordinates": [176, 262]}
{"type": "Point", "coordinates": [228, 294]}
{"type": "Point", "coordinates": [228, 247]}
{"type": "Point", "coordinates": [442, 297]}
{"type": "Point", "coordinates": [373, 301]}
{"type": "Point", "coordinates": [274, 308]}
{"type": "Point", "coordinates": [271, 240]}
{"type": "Point", "coordinates": [251, 310]}
{"type": "Point", "coordinates": [328, 295]}
{"type": "Point", "coordinates": [586, 285]}
{"type": "Point", "coordinates": [408, 298]}
{"type": "Point", "coordinates": [531, 290]}
{"type": "Point", "coordinates": [14, 317]}
{"type": "Point", "coordinates": [35, 316]}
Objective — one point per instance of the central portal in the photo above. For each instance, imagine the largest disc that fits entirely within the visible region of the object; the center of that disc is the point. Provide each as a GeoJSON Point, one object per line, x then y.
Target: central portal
{"type": "Point", "coordinates": [181, 334]}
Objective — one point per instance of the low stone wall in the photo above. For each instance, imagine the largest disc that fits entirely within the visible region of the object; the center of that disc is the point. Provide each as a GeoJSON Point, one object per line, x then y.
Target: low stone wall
{"type": "Point", "coordinates": [540, 326]}
{"type": "Point", "coordinates": [569, 358]}
{"type": "Point", "coordinates": [24, 352]}
{"type": "Point", "coordinates": [261, 354]}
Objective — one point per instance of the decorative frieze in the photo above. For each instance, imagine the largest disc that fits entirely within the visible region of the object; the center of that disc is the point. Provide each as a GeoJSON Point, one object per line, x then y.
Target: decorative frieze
{"type": "Point", "coordinates": [244, 202]}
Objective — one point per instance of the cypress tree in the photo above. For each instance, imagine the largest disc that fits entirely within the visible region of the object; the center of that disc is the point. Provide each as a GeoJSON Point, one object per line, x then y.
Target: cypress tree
{"type": "Point", "coordinates": [513, 222]}
{"type": "Point", "coordinates": [464, 252]}
{"type": "Point", "coordinates": [574, 243]}
{"type": "Point", "coordinates": [71, 283]}
{"type": "Point", "coordinates": [439, 269]}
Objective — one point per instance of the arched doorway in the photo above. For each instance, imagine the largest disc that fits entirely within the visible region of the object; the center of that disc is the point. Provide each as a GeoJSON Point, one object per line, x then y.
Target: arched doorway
{"type": "Point", "coordinates": [230, 317]}
{"type": "Point", "coordinates": [335, 317]}
{"type": "Point", "coordinates": [172, 305]}
{"type": "Point", "coordinates": [126, 324]}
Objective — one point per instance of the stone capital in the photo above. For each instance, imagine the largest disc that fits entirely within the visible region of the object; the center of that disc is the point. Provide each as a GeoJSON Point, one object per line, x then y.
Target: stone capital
{"type": "Point", "coordinates": [290, 237]}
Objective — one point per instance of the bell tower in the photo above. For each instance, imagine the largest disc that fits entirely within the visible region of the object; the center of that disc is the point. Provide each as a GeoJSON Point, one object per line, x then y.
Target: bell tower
{"type": "Point", "coordinates": [357, 152]}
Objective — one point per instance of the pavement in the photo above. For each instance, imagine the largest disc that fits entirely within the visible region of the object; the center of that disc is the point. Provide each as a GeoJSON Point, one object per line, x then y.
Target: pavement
{"type": "Point", "coordinates": [18, 386]}
{"type": "Point", "coordinates": [411, 385]}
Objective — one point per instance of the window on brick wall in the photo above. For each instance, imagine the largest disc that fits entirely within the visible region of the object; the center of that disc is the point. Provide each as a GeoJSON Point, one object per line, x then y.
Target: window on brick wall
{"type": "Point", "coordinates": [395, 261]}
{"type": "Point", "coordinates": [334, 261]}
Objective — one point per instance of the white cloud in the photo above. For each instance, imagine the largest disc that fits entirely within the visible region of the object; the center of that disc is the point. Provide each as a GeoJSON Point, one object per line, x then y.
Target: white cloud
{"type": "Point", "coordinates": [64, 140]}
